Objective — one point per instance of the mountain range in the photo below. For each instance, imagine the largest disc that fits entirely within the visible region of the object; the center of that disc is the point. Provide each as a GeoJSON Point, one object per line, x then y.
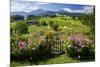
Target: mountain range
{"type": "Point", "coordinates": [45, 12]}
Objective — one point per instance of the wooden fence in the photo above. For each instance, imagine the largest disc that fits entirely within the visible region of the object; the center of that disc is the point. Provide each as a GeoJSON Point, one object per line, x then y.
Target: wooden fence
{"type": "Point", "coordinates": [55, 46]}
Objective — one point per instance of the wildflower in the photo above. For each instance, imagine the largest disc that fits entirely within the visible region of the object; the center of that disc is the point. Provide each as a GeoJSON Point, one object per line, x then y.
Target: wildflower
{"type": "Point", "coordinates": [83, 46]}
{"type": "Point", "coordinates": [78, 50]}
{"type": "Point", "coordinates": [79, 56]}
{"type": "Point", "coordinates": [33, 48]}
{"type": "Point", "coordinates": [22, 44]}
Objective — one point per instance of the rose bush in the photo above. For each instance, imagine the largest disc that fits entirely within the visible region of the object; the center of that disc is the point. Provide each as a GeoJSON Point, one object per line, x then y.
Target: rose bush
{"type": "Point", "coordinates": [80, 47]}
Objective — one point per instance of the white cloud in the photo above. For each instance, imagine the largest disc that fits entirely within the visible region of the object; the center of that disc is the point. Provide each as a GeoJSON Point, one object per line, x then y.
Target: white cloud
{"type": "Point", "coordinates": [22, 5]}
{"type": "Point", "coordinates": [73, 10]}
{"type": "Point", "coordinates": [85, 9]}
{"type": "Point", "coordinates": [41, 3]}
{"type": "Point", "coordinates": [88, 9]}
{"type": "Point", "coordinates": [18, 6]}
{"type": "Point", "coordinates": [25, 6]}
{"type": "Point", "coordinates": [33, 8]}
{"type": "Point", "coordinates": [67, 9]}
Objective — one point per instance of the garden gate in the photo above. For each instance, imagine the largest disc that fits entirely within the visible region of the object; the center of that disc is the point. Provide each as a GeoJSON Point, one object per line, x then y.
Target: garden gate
{"type": "Point", "coordinates": [56, 46]}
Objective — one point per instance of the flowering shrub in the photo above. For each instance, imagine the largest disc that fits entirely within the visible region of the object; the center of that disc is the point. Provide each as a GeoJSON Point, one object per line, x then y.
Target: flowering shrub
{"type": "Point", "coordinates": [36, 47]}
{"type": "Point", "coordinates": [18, 41]}
{"type": "Point", "coordinates": [81, 47]}
{"type": "Point", "coordinates": [79, 39]}
{"type": "Point", "coordinates": [37, 43]}
{"type": "Point", "coordinates": [35, 40]}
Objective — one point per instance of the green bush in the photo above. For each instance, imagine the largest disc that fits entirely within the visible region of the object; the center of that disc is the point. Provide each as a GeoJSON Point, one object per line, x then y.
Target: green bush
{"type": "Point", "coordinates": [72, 51]}
{"type": "Point", "coordinates": [22, 54]}
{"type": "Point", "coordinates": [21, 27]}
{"type": "Point", "coordinates": [16, 18]}
{"type": "Point", "coordinates": [44, 23]}
{"type": "Point", "coordinates": [51, 23]}
{"type": "Point", "coordinates": [55, 27]}
{"type": "Point", "coordinates": [83, 53]}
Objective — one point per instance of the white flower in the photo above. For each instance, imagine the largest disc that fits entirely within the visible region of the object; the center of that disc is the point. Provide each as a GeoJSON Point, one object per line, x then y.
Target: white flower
{"type": "Point", "coordinates": [33, 48]}
{"type": "Point", "coordinates": [78, 56]}
{"type": "Point", "coordinates": [83, 46]}
{"type": "Point", "coordinates": [78, 50]}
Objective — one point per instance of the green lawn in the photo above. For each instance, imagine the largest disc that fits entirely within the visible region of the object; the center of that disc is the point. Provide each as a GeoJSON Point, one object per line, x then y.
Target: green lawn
{"type": "Point", "coordinates": [56, 60]}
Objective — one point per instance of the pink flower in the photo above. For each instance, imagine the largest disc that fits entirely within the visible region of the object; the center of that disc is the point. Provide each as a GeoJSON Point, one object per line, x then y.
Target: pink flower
{"type": "Point", "coordinates": [21, 44]}
{"type": "Point", "coordinates": [78, 38]}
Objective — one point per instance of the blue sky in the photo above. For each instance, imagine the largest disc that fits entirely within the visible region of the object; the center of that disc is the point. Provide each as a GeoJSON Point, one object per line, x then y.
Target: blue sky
{"type": "Point", "coordinates": [28, 6]}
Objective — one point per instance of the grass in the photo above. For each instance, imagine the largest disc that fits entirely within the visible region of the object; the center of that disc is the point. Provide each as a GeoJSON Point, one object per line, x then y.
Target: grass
{"type": "Point", "coordinates": [68, 22]}
{"type": "Point", "coordinates": [34, 28]}
{"type": "Point", "coordinates": [68, 28]}
{"type": "Point", "coordinates": [56, 60]}
{"type": "Point", "coordinates": [59, 60]}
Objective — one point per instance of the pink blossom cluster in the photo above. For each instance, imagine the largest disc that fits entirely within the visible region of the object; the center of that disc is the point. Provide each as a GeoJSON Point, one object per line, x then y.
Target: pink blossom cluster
{"type": "Point", "coordinates": [78, 38]}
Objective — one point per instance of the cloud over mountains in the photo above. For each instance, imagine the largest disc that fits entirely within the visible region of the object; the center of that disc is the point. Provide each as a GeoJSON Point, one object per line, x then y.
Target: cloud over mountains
{"type": "Point", "coordinates": [28, 6]}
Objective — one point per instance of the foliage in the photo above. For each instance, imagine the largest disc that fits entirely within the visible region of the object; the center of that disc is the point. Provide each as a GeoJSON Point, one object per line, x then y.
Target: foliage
{"type": "Point", "coordinates": [55, 27]}
{"type": "Point", "coordinates": [88, 19]}
{"type": "Point", "coordinates": [44, 23]}
{"type": "Point", "coordinates": [16, 18]}
{"type": "Point", "coordinates": [51, 23]}
{"type": "Point", "coordinates": [81, 47]}
{"type": "Point", "coordinates": [21, 27]}
{"type": "Point", "coordinates": [49, 34]}
{"type": "Point", "coordinates": [22, 54]}
{"type": "Point", "coordinates": [30, 17]}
